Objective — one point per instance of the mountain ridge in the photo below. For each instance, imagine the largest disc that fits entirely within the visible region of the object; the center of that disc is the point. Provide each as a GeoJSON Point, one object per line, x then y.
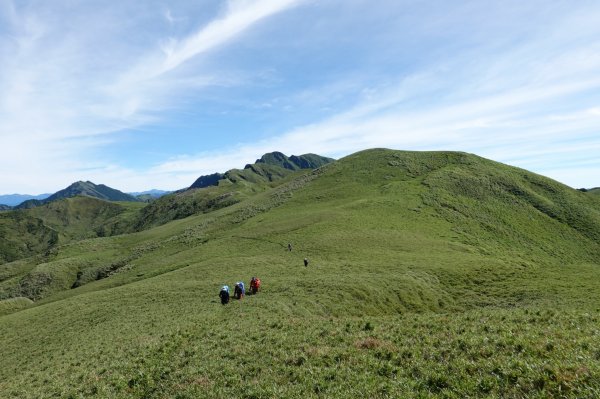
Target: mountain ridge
{"type": "Point", "coordinates": [294, 162]}
{"type": "Point", "coordinates": [276, 158]}
{"type": "Point", "coordinates": [220, 190]}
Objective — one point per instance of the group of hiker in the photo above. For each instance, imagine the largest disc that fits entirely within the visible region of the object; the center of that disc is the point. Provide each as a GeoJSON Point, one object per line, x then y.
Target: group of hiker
{"type": "Point", "coordinates": [239, 290]}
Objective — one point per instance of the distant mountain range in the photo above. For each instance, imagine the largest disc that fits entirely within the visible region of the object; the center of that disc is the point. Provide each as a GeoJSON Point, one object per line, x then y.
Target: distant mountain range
{"type": "Point", "coordinates": [87, 189]}
{"type": "Point", "coordinates": [103, 192]}
{"type": "Point", "coordinates": [100, 191]}
{"type": "Point", "coordinates": [150, 195]}
{"type": "Point", "coordinates": [16, 199]}
{"type": "Point", "coordinates": [86, 210]}
{"type": "Point", "coordinates": [153, 193]}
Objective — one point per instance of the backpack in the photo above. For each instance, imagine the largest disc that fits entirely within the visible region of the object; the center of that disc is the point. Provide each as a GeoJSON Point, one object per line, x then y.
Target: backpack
{"type": "Point", "coordinates": [238, 291]}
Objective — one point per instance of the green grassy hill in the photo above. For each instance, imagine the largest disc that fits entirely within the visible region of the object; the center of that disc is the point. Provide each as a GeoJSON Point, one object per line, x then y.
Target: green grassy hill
{"type": "Point", "coordinates": [86, 217]}
{"type": "Point", "coordinates": [433, 274]}
{"type": "Point", "coordinates": [220, 190]}
{"type": "Point", "coordinates": [37, 230]}
{"type": "Point", "coordinates": [83, 209]}
{"type": "Point", "coordinates": [22, 235]}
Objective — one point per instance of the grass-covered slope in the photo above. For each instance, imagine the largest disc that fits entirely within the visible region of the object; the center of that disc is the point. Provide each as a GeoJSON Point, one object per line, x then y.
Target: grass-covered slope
{"type": "Point", "coordinates": [34, 231]}
{"type": "Point", "coordinates": [430, 275]}
{"type": "Point", "coordinates": [86, 217]}
{"type": "Point", "coordinates": [22, 235]}
{"type": "Point", "coordinates": [220, 190]}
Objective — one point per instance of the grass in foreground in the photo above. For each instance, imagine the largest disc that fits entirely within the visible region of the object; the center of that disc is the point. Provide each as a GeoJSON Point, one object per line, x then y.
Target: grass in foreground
{"type": "Point", "coordinates": [241, 351]}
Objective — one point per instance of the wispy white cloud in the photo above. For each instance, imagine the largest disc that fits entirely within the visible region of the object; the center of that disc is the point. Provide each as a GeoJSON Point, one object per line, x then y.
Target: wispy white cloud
{"type": "Point", "coordinates": [240, 15]}
{"type": "Point", "coordinates": [529, 111]}
{"type": "Point", "coordinates": [60, 89]}
{"type": "Point", "coordinates": [144, 77]}
{"type": "Point", "coordinates": [497, 79]}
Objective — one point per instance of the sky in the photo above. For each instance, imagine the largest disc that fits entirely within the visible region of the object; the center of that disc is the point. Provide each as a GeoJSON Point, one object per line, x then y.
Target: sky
{"type": "Point", "coordinates": [152, 94]}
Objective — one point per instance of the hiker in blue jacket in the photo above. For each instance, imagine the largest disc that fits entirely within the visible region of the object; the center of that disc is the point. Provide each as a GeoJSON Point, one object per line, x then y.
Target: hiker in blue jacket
{"type": "Point", "coordinates": [239, 291]}
{"type": "Point", "coordinates": [224, 295]}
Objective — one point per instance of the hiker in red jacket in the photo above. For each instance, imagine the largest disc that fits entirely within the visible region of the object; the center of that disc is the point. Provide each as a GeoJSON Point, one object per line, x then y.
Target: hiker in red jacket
{"type": "Point", "coordinates": [254, 285]}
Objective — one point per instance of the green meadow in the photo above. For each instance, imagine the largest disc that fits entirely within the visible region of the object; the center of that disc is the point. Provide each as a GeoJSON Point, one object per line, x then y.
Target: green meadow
{"type": "Point", "coordinates": [431, 275]}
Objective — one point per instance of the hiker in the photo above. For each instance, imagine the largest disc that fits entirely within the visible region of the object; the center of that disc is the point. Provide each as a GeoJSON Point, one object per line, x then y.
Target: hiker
{"type": "Point", "coordinates": [305, 262]}
{"type": "Point", "coordinates": [254, 285]}
{"type": "Point", "coordinates": [290, 247]}
{"type": "Point", "coordinates": [239, 290]}
{"type": "Point", "coordinates": [224, 295]}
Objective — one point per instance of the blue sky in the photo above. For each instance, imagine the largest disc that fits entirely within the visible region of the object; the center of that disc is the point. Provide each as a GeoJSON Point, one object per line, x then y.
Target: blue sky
{"type": "Point", "coordinates": [152, 94]}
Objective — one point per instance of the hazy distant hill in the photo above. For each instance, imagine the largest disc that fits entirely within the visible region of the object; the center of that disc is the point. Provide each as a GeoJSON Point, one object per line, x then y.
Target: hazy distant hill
{"type": "Point", "coordinates": [149, 194]}
{"type": "Point", "coordinates": [87, 189]}
{"type": "Point", "coordinates": [16, 199]}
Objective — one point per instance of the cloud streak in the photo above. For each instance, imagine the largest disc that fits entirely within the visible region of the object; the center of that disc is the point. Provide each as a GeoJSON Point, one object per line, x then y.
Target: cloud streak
{"type": "Point", "coordinates": [61, 91]}
{"type": "Point", "coordinates": [527, 111]}
{"type": "Point", "coordinates": [498, 80]}
{"type": "Point", "coordinates": [239, 17]}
